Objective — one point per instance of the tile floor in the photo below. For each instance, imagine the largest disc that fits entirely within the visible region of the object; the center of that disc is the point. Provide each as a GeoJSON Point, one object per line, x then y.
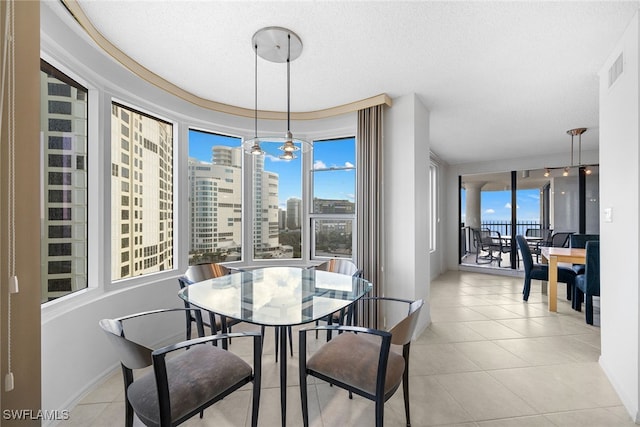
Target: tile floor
{"type": "Point", "coordinates": [486, 360]}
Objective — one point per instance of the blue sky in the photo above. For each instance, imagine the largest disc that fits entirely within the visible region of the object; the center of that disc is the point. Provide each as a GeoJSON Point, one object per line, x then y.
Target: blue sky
{"type": "Point", "coordinates": [496, 205]}
{"type": "Point", "coordinates": [332, 155]}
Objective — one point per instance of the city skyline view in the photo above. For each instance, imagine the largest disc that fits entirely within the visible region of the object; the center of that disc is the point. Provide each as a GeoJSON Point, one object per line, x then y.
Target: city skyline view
{"type": "Point", "coordinates": [334, 165]}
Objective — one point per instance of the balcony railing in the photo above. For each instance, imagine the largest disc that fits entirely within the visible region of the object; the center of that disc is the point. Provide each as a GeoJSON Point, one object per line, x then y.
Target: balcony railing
{"type": "Point", "coordinates": [504, 227]}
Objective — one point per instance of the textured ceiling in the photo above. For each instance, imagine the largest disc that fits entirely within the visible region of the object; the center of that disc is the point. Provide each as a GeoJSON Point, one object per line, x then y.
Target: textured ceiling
{"type": "Point", "coordinates": [501, 79]}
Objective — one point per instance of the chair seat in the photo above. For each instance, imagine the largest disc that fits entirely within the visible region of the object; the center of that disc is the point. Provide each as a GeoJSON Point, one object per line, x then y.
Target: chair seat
{"type": "Point", "coordinates": [353, 359]}
{"type": "Point", "coordinates": [541, 272]}
{"type": "Point", "coordinates": [578, 268]}
{"type": "Point", "coordinates": [581, 282]}
{"type": "Point", "coordinates": [195, 377]}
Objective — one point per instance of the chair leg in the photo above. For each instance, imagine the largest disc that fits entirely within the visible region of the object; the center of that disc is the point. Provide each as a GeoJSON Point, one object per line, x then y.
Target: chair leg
{"type": "Point", "coordinates": [577, 299]}
{"type": "Point", "coordinates": [380, 411]}
{"type": "Point", "coordinates": [127, 375]}
{"type": "Point", "coordinates": [277, 333]}
{"type": "Point", "coordinates": [588, 308]}
{"type": "Point", "coordinates": [290, 340]}
{"type": "Point", "coordinates": [526, 289]}
{"type": "Point", "coordinates": [188, 326]}
{"type": "Point", "coordinates": [303, 380]}
{"type": "Point", "coordinates": [405, 383]}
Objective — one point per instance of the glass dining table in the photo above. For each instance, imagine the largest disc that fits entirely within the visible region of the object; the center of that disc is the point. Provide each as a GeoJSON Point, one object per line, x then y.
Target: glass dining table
{"type": "Point", "coordinates": [277, 296]}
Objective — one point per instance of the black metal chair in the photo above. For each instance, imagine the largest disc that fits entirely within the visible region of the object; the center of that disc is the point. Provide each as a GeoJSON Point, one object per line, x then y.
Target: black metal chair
{"type": "Point", "coordinates": [541, 271]}
{"type": "Point", "coordinates": [498, 244]}
{"type": "Point", "coordinates": [340, 266]}
{"type": "Point", "coordinates": [196, 375]}
{"type": "Point", "coordinates": [588, 284]}
{"type": "Point", "coordinates": [200, 272]}
{"type": "Point", "coordinates": [482, 241]}
{"type": "Point", "coordinates": [197, 273]}
{"type": "Point", "coordinates": [545, 240]}
{"type": "Point", "coordinates": [561, 239]}
{"type": "Point", "coordinates": [362, 361]}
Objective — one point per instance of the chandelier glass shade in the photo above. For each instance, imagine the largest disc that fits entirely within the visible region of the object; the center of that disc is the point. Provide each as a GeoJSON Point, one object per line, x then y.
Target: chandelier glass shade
{"type": "Point", "coordinates": [276, 44]}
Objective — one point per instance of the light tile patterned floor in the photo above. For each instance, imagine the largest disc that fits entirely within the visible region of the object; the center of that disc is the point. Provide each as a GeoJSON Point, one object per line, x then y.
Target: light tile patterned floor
{"type": "Point", "coordinates": [487, 360]}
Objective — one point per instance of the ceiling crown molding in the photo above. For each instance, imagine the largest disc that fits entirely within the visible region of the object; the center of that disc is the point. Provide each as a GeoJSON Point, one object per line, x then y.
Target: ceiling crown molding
{"type": "Point", "coordinates": [83, 20]}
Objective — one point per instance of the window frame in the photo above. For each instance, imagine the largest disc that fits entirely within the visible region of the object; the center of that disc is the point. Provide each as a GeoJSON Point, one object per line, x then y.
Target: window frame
{"type": "Point", "coordinates": [313, 217]}
{"type": "Point", "coordinates": [66, 184]}
{"type": "Point", "coordinates": [434, 170]}
{"type": "Point", "coordinates": [177, 243]}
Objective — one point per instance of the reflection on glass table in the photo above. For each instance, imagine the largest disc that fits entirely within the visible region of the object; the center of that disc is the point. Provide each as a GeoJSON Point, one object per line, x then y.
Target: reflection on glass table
{"type": "Point", "coordinates": [279, 297]}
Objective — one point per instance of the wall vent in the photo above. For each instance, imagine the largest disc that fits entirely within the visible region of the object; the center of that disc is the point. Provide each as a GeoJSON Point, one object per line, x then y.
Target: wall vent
{"type": "Point", "coordinates": [615, 70]}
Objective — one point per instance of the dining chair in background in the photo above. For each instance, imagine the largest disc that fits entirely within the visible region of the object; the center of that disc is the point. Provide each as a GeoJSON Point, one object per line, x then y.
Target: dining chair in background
{"type": "Point", "coordinates": [200, 272]}
{"type": "Point", "coordinates": [362, 361]}
{"type": "Point", "coordinates": [187, 377]}
{"type": "Point", "coordinates": [215, 322]}
{"type": "Point", "coordinates": [580, 241]}
{"type": "Point", "coordinates": [541, 271]}
{"type": "Point", "coordinates": [340, 266]}
{"type": "Point", "coordinates": [561, 239]}
{"type": "Point", "coordinates": [588, 284]}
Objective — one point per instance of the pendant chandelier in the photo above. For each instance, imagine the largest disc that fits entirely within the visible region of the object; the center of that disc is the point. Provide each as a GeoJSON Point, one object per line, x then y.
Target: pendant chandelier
{"type": "Point", "coordinates": [276, 44]}
{"type": "Point", "coordinates": [566, 169]}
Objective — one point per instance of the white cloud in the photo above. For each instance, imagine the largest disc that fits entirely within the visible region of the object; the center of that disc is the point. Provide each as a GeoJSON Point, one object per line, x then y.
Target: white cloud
{"type": "Point", "coordinates": [274, 158]}
{"type": "Point", "coordinates": [319, 164]}
{"type": "Point", "coordinates": [349, 164]}
{"type": "Point", "coordinates": [489, 211]}
{"type": "Point", "coordinates": [508, 206]}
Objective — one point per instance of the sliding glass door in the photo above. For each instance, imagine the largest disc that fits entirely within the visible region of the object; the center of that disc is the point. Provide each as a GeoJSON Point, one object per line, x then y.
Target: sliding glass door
{"type": "Point", "coordinates": [496, 207]}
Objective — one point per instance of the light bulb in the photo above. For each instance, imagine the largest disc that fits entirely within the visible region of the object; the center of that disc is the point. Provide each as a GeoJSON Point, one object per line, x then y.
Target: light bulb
{"type": "Point", "coordinates": [256, 150]}
{"type": "Point", "coordinates": [288, 155]}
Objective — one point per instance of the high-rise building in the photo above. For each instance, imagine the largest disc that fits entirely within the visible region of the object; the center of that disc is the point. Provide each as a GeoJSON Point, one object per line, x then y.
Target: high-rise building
{"type": "Point", "coordinates": [63, 119]}
{"type": "Point", "coordinates": [282, 219]}
{"type": "Point", "coordinates": [266, 241]}
{"type": "Point", "coordinates": [141, 193]}
{"type": "Point", "coordinates": [215, 202]}
{"type": "Point", "coordinates": [294, 213]}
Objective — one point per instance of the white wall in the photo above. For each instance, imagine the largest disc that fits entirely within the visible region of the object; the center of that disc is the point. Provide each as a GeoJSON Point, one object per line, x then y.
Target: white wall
{"type": "Point", "coordinates": [619, 190]}
{"type": "Point", "coordinates": [406, 202]}
{"type": "Point", "coordinates": [75, 353]}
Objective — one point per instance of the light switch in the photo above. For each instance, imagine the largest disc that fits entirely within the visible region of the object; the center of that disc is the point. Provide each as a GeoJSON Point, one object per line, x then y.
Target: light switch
{"type": "Point", "coordinates": [608, 214]}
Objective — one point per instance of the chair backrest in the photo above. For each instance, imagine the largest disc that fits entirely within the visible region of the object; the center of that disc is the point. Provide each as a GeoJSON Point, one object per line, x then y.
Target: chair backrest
{"type": "Point", "coordinates": [131, 354]}
{"type": "Point", "coordinates": [340, 265]}
{"type": "Point", "coordinates": [197, 273]}
{"type": "Point", "coordinates": [592, 267]}
{"type": "Point", "coordinates": [527, 259]}
{"type": "Point", "coordinates": [561, 239]}
{"type": "Point", "coordinates": [580, 240]}
{"type": "Point", "coordinates": [402, 332]}
{"type": "Point", "coordinates": [482, 237]}
{"type": "Point", "coordinates": [533, 232]}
